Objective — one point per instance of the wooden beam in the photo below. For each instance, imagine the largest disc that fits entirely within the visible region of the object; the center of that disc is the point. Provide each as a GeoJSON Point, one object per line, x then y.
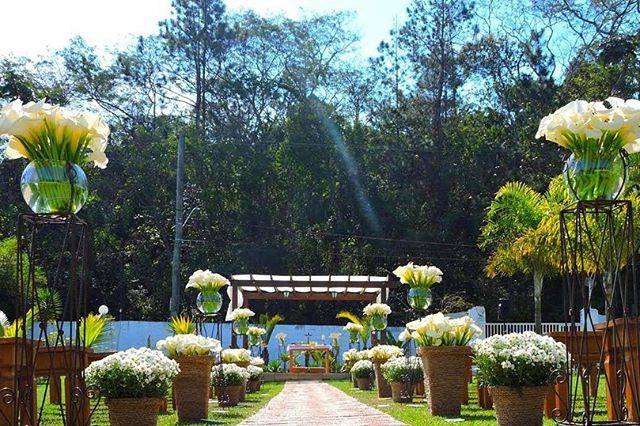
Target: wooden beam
{"type": "Point", "coordinates": [364, 297]}
{"type": "Point", "coordinates": [298, 284]}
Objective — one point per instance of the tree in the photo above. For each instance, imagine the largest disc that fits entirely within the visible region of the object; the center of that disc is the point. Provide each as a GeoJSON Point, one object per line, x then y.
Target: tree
{"type": "Point", "coordinates": [520, 244]}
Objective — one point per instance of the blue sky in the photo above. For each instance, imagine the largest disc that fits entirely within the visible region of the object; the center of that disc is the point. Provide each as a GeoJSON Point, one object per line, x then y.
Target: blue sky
{"type": "Point", "coordinates": [113, 23]}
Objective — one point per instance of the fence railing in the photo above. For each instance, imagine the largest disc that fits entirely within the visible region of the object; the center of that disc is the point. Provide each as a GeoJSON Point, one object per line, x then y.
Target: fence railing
{"type": "Point", "coordinates": [491, 328]}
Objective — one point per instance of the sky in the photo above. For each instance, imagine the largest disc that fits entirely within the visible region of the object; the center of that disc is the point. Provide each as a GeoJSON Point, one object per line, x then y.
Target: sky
{"type": "Point", "coordinates": [114, 23]}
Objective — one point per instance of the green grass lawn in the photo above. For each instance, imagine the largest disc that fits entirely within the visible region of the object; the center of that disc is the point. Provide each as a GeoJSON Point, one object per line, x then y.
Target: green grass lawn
{"type": "Point", "coordinates": [217, 415]}
{"type": "Point", "coordinates": [417, 414]}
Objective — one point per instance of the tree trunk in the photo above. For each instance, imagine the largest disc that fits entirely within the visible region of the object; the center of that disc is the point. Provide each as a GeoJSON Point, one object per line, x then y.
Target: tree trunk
{"type": "Point", "coordinates": [538, 281]}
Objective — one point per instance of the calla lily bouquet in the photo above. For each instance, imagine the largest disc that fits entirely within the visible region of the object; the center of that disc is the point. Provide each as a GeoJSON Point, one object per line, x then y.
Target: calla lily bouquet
{"type": "Point", "coordinates": [350, 356]}
{"type": "Point", "coordinates": [590, 129]}
{"type": "Point", "coordinates": [256, 331]}
{"type": "Point", "coordinates": [438, 330]}
{"type": "Point", "coordinates": [40, 131]}
{"type": "Point", "coordinates": [188, 345]}
{"type": "Point", "coordinates": [417, 276]}
{"type": "Point", "coordinates": [206, 281]}
{"type": "Point", "coordinates": [236, 355]}
{"type": "Point", "coordinates": [383, 353]}
{"type": "Point", "coordinates": [352, 327]}
{"type": "Point", "coordinates": [241, 314]}
{"type": "Point", "coordinates": [376, 309]}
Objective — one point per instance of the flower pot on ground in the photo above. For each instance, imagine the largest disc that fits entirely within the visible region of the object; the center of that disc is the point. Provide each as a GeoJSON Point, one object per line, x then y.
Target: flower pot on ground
{"type": "Point", "coordinates": [379, 355]}
{"type": "Point", "coordinates": [363, 372]}
{"type": "Point", "coordinates": [402, 374]}
{"type": "Point", "coordinates": [519, 369]}
{"type": "Point", "coordinates": [518, 406]}
{"type": "Point", "coordinates": [255, 377]}
{"type": "Point", "coordinates": [229, 383]}
{"type": "Point", "coordinates": [134, 382]}
{"type": "Point", "coordinates": [192, 386]}
{"type": "Point", "coordinates": [445, 354]}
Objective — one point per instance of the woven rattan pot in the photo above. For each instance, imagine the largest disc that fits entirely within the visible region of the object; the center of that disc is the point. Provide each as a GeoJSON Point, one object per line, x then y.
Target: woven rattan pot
{"type": "Point", "coordinates": [418, 388]}
{"type": "Point", "coordinates": [228, 396]}
{"type": "Point", "coordinates": [191, 387]}
{"type": "Point", "coordinates": [253, 385]}
{"type": "Point", "coordinates": [384, 390]}
{"type": "Point", "coordinates": [129, 411]}
{"type": "Point", "coordinates": [445, 375]}
{"type": "Point", "coordinates": [519, 406]}
{"type": "Point", "coordinates": [401, 392]}
{"type": "Point", "coordinates": [364, 383]}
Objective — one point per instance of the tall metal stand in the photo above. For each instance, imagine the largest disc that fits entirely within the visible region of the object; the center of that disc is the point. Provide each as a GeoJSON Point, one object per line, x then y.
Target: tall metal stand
{"type": "Point", "coordinates": [52, 272]}
{"type": "Point", "coordinates": [598, 262]}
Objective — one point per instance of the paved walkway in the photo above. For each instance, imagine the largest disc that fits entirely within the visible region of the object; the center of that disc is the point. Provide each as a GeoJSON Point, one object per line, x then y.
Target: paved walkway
{"type": "Point", "coordinates": [316, 403]}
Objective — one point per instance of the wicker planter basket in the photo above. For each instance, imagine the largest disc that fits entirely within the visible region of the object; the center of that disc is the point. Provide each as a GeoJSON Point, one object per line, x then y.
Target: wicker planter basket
{"type": "Point", "coordinates": [401, 392]}
{"type": "Point", "coordinates": [445, 377]}
{"type": "Point", "coordinates": [519, 406]}
{"type": "Point", "coordinates": [228, 396]}
{"type": "Point", "coordinates": [253, 385]}
{"type": "Point", "coordinates": [418, 388]}
{"type": "Point", "coordinates": [138, 411]}
{"type": "Point", "coordinates": [364, 383]}
{"type": "Point", "coordinates": [191, 387]}
{"type": "Point", "coordinates": [243, 394]}
{"type": "Point", "coordinates": [384, 390]}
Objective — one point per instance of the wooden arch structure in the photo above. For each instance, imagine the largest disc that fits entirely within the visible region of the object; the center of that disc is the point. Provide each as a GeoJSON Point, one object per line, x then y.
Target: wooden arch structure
{"type": "Point", "coordinates": [362, 288]}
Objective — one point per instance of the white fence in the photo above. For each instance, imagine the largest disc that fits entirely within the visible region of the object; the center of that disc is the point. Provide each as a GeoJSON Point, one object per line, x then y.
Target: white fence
{"type": "Point", "coordinates": [492, 328]}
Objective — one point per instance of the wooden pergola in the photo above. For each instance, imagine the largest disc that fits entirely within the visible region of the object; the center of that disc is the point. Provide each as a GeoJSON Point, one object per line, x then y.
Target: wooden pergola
{"type": "Point", "coordinates": [360, 288]}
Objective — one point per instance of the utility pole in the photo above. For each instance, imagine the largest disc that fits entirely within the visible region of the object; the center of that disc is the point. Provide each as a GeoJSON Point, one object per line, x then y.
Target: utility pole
{"type": "Point", "coordinates": [177, 242]}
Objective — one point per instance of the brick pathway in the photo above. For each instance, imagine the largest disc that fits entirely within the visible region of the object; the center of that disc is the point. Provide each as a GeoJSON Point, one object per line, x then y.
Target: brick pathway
{"type": "Point", "coordinates": [316, 403]}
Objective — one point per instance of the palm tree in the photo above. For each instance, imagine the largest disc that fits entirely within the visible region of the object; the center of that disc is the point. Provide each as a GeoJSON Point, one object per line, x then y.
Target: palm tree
{"type": "Point", "coordinates": [520, 227]}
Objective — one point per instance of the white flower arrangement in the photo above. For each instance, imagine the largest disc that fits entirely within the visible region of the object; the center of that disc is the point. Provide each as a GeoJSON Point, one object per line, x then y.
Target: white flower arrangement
{"type": "Point", "coordinates": [256, 331]}
{"type": "Point", "coordinates": [206, 281]}
{"type": "Point", "coordinates": [418, 276]}
{"type": "Point", "coordinates": [363, 355]}
{"type": "Point", "coordinates": [256, 361]}
{"type": "Point", "coordinates": [236, 355]}
{"type": "Point", "coordinates": [403, 370]}
{"type": "Point", "coordinates": [41, 131]}
{"type": "Point", "coordinates": [228, 375]}
{"type": "Point", "coordinates": [134, 373]}
{"type": "Point", "coordinates": [352, 327]}
{"type": "Point", "coordinates": [438, 330]}
{"type": "Point", "coordinates": [405, 336]}
{"type": "Point", "coordinates": [519, 359]}
{"type": "Point", "coordinates": [586, 127]}
{"type": "Point", "coordinates": [241, 314]}
{"type": "Point", "coordinates": [255, 373]}
{"type": "Point", "coordinates": [363, 369]}
{"type": "Point", "coordinates": [188, 345]}
{"type": "Point", "coordinates": [350, 356]}
{"type": "Point", "coordinates": [376, 309]}
{"type": "Point", "coordinates": [383, 353]}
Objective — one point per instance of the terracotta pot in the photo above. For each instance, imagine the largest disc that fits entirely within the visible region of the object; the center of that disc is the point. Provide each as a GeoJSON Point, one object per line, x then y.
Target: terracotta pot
{"type": "Point", "coordinates": [519, 406]}
{"type": "Point", "coordinates": [191, 387]}
{"type": "Point", "coordinates": [384, 390]}
{"type": "Point", "coordinates": [228, 396]}
{"type": "Point", "coordinates": [401, 392]}
{"type": "Point", "coordinates": [253, 385]}
{"type": "Point", "coordinates": [445, 377]}
{"type": "Point", "coordinates": [364, 383]}
{"type": "Point", "coordinates": [243, 394]}
{"type": "Point", "coordinates": [138, 411]}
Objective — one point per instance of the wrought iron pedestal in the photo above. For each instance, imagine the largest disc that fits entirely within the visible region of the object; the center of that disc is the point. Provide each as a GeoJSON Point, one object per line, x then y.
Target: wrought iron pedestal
{"type": "Point", "coordinates": [598, 262]}
{"type": "Point", "coordinates": [52, 273]}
